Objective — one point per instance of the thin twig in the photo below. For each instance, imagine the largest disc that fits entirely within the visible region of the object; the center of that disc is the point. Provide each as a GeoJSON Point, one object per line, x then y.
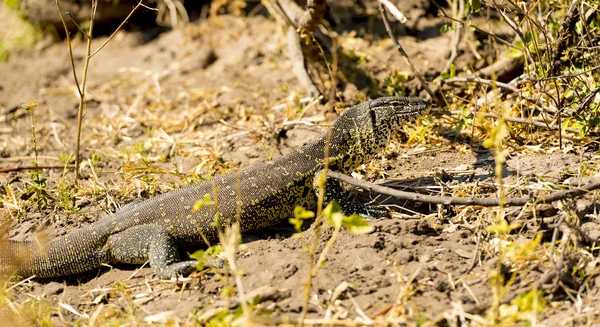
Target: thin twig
{"type": "Point", "coordinates": [120, 26]}
{"type": "Point", "coordinates": [394, 11]}
{"type": "Point", "coordinates": [82, 99]}
{"type": "Point", "coordinates": [77, 25]}
{"type": "Point", "coordinates": [475, 258]}
{"type": "Point", "coordinates": [70, 46]}
{"type": "Point", "coordinates": [318, 222]}
{"type": "Point", "coordinates": [562, 76]}
{"type": "Point", "coordinates": [515, 28]}
{"type": "Point", "coordinates": [390, 32]}
{"type": "Point", "coordinates": [20, 168]}
{"type": "Point", "coordinates": [469, 201]}
{"type": "Point", "coordinates": [457, 34]}
{"type": "Point", "coordinates": [501, 85]}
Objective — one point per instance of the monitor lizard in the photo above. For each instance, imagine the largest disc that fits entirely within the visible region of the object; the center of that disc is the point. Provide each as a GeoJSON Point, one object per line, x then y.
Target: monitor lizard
{"type": "Point", "coordinates": [161, 228]}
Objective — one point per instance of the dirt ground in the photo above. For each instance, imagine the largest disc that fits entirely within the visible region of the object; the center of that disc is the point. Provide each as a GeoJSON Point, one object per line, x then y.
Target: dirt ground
{"type": "Point", "coordinates": [166, 108]}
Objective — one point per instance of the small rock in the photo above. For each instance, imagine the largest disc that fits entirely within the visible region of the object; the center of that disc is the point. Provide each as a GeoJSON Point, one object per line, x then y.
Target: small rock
{"type": "Point", "coordinates": [418, 227]}
{"type": "Point", "coordinates": [591, 229]}
{"type": "Point", "coordinates": [289, 271]}
{"type": "Point", "coordinates": [404, 257]}
{"type": "Point", "coordinates": [584, 207]}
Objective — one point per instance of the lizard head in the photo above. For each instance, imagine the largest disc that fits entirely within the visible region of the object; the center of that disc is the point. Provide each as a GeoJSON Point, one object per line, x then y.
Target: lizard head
{"type": "Point", "coordinates": [386, 115]}
{"type": "Point", "coordinates": [365, 129]}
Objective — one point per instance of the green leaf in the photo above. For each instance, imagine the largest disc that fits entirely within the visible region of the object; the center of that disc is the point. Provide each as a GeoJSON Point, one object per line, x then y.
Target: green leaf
{"type": "Point", "coordinates": [530, 302]}
{"type": "Point", "coordinates": [356, 224]}
{"type": "Point", "coordinates": [445, 28]}
{"type": "Point", "coordinates": [452, 71]}
{"type": "Point", "coordinates": [333, 214]}
{"type": "Point", "coordinates": [579, 27]}
{"type": "Point", "coordinates": [528, 37]}
{"type": "Point", "coordinates": [300, 214]}
{"type": "Point", "coordinates": [202, 256]}
{"type": "Point", "coordinates": [496, 136]}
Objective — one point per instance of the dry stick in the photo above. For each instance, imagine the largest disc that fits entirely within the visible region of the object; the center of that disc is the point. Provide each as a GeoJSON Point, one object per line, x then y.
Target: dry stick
{"type": "Point", "coordinates": [490, 34]}
{"type": "Point", "coordinates": [82, 99]}
{"type": "Point", "coordinates": [501, 85]}
{"type": "Point", "coordinates": [535, 123]}
{"type": "Point", "coordinates": [292, 14]}
{"type": "Point", "coordinates": [70, 46]}
{"type": "Point", "coordinates": [566, 29]}
{"type": "Point", "coordinates": [394, 11]}
{"type": "Point", "coordinates": [20, 168]}
{"type": "Point", "coordinates": [80, 89]}
{"type": "Point", "coordinates": [297, 59]}
{"type": "Point", "coordinates": [77, 25]}
{"type": "Point", "coordinates": [457, 34]}
{"type": "Point", "coordinates": [468, 201]}
{"type": "Point", "coordinates": [312, 15]}
{"type": "Point", "coordinates": [390, 32]}
{"type": "Point", "coordinates": [562, 76]}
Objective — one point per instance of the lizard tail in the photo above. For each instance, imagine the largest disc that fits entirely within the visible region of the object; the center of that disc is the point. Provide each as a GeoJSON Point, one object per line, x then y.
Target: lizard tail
{"type": "Point", "coordinates": [67, 255]}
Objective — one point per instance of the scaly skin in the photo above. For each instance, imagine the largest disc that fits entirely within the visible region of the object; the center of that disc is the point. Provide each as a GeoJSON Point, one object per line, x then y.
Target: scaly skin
{"type": "Point", "coordinates": [160, 228]}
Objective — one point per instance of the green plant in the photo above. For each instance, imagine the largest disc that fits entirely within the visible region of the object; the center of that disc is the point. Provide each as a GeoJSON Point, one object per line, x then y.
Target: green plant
{"type": "Point", "coordinates": [37, 190]}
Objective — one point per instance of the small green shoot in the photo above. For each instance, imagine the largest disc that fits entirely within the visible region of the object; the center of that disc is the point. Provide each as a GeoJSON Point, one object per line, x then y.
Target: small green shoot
{"type": "Point", "coordinates": [205, 257]}
{"type": "Point", "coordinates": [354, 223]}
{"type": "Point", "coordinates": [450, 74]}
{"type": "Point", "coordinates": [65, 196]}
{"type": "Point", "coordinates": [300, 215]}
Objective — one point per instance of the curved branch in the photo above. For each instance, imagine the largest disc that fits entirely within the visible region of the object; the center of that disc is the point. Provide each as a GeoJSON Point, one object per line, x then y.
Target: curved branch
{"type": "Point", "coordinates": [469, 201]}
